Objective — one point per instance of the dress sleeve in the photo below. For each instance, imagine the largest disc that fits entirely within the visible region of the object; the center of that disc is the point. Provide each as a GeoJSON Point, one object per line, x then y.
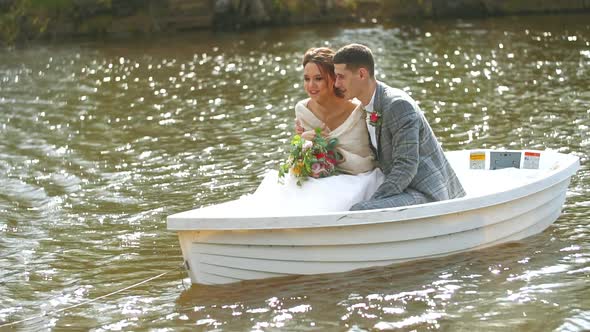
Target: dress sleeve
{"type": "Point", "coordinates": [303, 114]}
{"type": "Point", "coordinates": [355, 145]}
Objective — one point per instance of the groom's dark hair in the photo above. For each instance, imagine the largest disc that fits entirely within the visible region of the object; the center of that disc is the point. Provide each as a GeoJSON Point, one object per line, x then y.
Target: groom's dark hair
{"type": "Point", "coordinates": [356, 56]}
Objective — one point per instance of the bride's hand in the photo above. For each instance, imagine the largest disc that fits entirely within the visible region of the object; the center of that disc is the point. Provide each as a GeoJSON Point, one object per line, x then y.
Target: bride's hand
{"type": "Point", "coordinates": [298, 127]}
{"type": "Point", "coordinates": [325, 130]}
{"type": "Point", "coordinates": [310, 134]}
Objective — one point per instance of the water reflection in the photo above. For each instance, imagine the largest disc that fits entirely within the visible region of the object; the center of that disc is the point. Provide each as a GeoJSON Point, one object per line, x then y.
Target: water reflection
{"type": "Point", "coordinates": [100, 142]}
{"type": "Point", "coordinates": [422, 295]}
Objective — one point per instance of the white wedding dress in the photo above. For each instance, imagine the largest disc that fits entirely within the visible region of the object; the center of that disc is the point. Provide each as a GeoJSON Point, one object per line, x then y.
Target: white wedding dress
{"type": "Point", "coordinates": [314, 196]}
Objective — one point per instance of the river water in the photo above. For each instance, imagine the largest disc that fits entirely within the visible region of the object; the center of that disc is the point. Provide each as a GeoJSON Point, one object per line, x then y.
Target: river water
{"type": "Point", "coordinates": [100, 141]}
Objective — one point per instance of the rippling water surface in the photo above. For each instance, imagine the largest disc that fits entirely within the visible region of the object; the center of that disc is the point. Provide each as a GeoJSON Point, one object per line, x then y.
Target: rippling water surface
{"type": "Point", "coordinates": [100, 141]}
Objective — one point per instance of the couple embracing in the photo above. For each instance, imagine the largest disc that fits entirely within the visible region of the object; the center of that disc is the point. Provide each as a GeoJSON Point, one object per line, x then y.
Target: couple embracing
{"type": "Point", "coordinates": [390, 156]}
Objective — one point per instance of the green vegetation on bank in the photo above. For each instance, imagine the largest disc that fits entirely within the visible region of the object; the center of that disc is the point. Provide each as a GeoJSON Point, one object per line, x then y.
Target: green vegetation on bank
{"type": "Point", "coordinates": [22, 20]}
{"type": "Point", "coordinates": [28, 19]}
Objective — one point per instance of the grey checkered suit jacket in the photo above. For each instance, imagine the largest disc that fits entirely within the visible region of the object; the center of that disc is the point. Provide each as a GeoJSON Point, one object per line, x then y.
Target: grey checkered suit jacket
{"type": "Point", "coordinates": [415, 167]}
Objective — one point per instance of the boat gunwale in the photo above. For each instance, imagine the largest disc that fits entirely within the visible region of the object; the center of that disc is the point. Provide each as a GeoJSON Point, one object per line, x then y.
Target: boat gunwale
{"type": "Point", "coordinates": [378, 216]}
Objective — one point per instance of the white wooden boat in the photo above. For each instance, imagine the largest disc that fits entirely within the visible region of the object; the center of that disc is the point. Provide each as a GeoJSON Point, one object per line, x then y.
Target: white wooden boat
{"type": "Point", "coordinates": [503, 204]}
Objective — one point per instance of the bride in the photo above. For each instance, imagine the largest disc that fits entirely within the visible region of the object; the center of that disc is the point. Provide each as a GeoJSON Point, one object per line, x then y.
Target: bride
{"type": "Point", "coordinates": [338, 118]}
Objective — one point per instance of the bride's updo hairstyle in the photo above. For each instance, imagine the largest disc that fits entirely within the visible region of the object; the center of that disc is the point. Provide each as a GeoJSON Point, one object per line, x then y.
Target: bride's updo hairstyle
{"type": "Point", "coordinates": [323, 57]}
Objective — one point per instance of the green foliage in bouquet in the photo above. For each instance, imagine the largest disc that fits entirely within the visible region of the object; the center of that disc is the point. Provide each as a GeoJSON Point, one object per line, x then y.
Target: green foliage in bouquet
{"type": "Point", "coordinates": [316, 158]}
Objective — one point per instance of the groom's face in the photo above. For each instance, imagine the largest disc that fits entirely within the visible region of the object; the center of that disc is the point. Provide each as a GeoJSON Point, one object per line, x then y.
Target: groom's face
{"type": "Point", "coordinates": [346, 80]}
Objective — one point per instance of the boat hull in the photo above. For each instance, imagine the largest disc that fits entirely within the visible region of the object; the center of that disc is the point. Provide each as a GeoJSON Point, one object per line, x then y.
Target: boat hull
{"type": "Point", "coordinates": [353, 240]}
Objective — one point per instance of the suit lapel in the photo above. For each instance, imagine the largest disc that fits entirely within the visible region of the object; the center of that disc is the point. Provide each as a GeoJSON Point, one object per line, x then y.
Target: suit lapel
{"type": "Point", "coordinates": [377, 106]}
{"type": "Point", "coordinates": [373, 148]}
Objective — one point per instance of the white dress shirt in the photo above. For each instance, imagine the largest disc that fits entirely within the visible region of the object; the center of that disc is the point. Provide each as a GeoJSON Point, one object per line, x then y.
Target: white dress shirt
{"type": "Point", "coordinates": [369, 109]}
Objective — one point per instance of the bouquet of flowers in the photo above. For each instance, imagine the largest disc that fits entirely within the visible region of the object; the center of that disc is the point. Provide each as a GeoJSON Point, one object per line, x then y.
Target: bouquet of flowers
{"type": "Point", "coordinates": [316, 158]}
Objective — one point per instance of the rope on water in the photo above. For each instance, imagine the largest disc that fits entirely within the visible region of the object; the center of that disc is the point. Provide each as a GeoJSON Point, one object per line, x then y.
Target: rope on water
{"type": "Point", "coordinates": [91, 300]}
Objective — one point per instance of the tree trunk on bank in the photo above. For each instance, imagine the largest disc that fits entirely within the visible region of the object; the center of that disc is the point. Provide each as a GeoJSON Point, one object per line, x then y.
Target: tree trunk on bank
{"type": "Point", "coordinates": [254, 11]}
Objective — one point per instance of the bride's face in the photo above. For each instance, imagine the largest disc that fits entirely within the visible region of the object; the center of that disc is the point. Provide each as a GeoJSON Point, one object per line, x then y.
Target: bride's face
{"type": "Point", "coordinates": [315, 84]}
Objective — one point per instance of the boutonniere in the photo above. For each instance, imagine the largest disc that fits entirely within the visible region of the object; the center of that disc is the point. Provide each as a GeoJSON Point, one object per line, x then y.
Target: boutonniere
{"type": "Point", "coordinates": [375, 118]}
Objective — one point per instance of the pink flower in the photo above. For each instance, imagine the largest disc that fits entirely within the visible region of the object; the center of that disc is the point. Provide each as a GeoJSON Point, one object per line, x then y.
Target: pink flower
{"type": "Point", "coordinates": [317, 169]}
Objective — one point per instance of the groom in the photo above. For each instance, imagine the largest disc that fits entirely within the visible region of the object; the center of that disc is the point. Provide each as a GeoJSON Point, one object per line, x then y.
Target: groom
{"type": "Point", "coordinates": [415, 167]}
